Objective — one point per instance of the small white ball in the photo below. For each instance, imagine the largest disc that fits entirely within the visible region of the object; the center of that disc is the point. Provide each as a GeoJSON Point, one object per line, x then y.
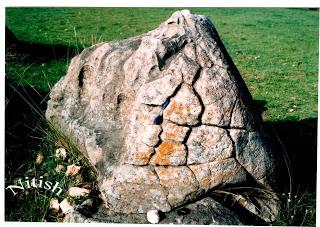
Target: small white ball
{"type": "Point", "coordinates": [153, 216]}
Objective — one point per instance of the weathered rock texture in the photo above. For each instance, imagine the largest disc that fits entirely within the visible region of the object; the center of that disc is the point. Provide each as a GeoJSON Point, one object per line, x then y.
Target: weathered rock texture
{"type": "Point", "coordinates": [204, 212]}
{"type": "Point", "coordinates": [163, 117]}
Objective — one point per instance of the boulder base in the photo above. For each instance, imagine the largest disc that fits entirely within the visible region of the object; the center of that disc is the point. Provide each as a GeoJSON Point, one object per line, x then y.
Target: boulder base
{"type": "Point", "coordinates": [203, 212]}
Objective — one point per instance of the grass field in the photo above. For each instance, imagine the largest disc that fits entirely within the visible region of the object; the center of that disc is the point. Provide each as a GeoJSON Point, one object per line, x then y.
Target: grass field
{"type": "Point", "coordinates": [276, 51]}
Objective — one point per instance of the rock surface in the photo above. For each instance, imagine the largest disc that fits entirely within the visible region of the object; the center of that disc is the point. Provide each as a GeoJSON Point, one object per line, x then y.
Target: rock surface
{"type": "Point", "coordinates": [203, 212]}
{"type": "Point", "coordinates": [163, 117]}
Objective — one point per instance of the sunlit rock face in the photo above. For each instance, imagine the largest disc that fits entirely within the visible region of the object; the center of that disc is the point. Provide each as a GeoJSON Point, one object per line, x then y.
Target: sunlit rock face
{"type": "Point", "coordinates": [163, 118]}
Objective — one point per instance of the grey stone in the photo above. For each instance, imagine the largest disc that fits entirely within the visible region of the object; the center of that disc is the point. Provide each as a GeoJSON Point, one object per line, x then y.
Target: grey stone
{"type": "Point", "coordinates": [163, 118]}
{"type": "Point", "coordinates": [254, 153]}
{"type": "Point", "coordinates": [219, 173]}
{"type": "Point", "coordinates": [218, 93]}
{"type": "Point", "coordinates": [207, 144]}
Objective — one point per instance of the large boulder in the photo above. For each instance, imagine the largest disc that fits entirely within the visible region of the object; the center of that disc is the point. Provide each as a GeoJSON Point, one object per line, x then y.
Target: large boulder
{"type": "Point", "coordinates": [163, 118]}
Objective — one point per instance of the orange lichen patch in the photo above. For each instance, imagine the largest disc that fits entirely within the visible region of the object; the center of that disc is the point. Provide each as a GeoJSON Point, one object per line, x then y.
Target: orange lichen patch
{"type": "Point", "coordinates": [181, 111]}
{"type": "Point", "coordinates": [139, 154]}
{"type": "Point", "coordinates": [178, 109]}
{"type": "Point", "coordinates": [174, 132]}
{"type": "Point", "coordinates": [167, 148]}
{"type": "Point", "coordinates": [170, 135]}
{"type": "Point", "coordinates": [143, 157]}
{"type": "Point", "coordinates": [184, 108]}
{"type": "Point", "coordinates": [150, 174]}
{"type": "Point", "coordinates": [169, 153]}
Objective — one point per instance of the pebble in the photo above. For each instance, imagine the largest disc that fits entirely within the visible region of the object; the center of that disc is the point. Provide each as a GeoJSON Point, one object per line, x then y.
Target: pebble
{"type": "Point", "coordinates": [65, 206]}
{"type": "Point", "coordinates": [153, 216]}
{"type": "Point", "coordinates": [179, 220]}
{"type": "Point", "coordinates": [54, 205]}
{"type": "Point", "coordinates": [76, 191]}
{"type": "Point", "coordinates": [59, 168]}
{"type": "Point", "coordinates": [39, 159]}
{"type": "Point", "coordinates": [61, 153]}
{"type": "Point", "coordinates": [72, 170]}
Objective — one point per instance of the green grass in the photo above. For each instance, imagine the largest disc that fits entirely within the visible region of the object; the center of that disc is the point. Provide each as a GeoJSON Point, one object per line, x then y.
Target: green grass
{"type": "Point", "coordinates": [275, 50]}
{"type": "Point", "coordinates": [33, 204]}
{"type": "Point", "coordinates": [297, 209]}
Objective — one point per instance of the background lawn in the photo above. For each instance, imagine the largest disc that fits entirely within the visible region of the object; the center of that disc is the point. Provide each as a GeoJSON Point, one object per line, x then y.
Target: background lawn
{"type": "Point", "coordinates": [275, 50]}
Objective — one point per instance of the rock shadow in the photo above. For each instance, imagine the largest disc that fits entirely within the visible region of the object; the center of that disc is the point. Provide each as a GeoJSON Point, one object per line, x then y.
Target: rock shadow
{"type": "Point", "coordinates": [35, 52]}
{"type": "Point", "coordinates": [298, 141]}
{"type": "Point", "coordinates": [24, 113]}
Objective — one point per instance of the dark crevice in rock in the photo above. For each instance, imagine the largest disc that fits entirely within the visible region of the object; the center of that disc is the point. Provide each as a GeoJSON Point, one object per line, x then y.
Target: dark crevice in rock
{"type": "Point", "coordinates": [233, 145]}
{"type": "Point", "coordinates": [167, 101]}
{"type": "Point", "coordinates": [121, 98]}
{"type": "Point", "coordinates": [81, 77]}
{"type": "Point", "coordinates": [158, 119]}
{"type": "Point", "coordinates": [199, 98]}
{"type": "Point", "coordinates": [224, 127]}
{"type": "Point", "coordinates": [161, 62]}
{"type": "Point", "coordinates": [186, 157]}
{"type": "Point", "coordinates": [159, 141]}
{"type": "Point", "coordinates": [183, 125]}
{"type": "Point", "coordinates": [137, 165]}
{"type": "Point", "coordinates": [155, 146]}
{"type": "Point", "coordinates": [196, 76]}
{"type": "Point", "coordinates": [174, 47]}
{"type": "Point", "coordinates": [187, 148]}
{"type": "Point", "coordinates": [187, 135]}
{"type": "Point", "coordinates": [152, 169]}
